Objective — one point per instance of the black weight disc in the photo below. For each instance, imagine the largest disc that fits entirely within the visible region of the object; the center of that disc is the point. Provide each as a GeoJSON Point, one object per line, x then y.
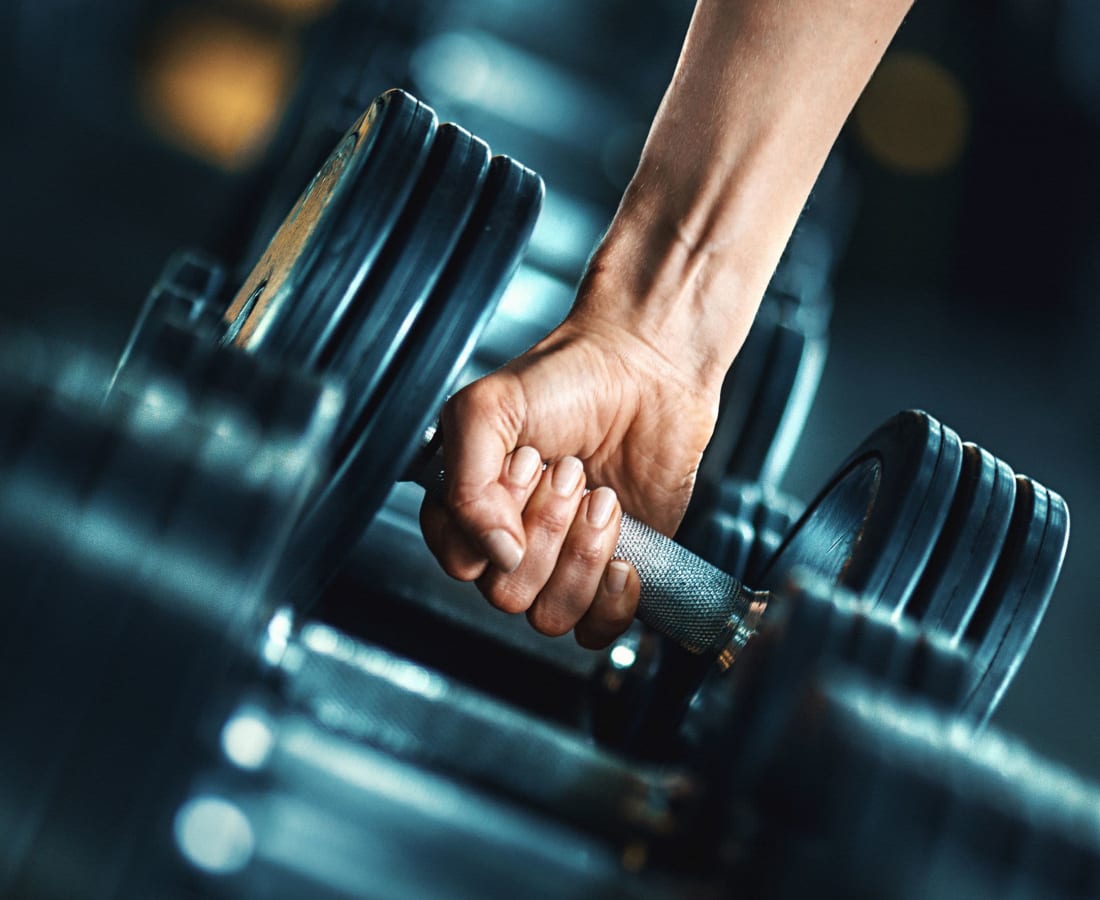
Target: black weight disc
{"type": "Point", "coordinates": [367, 339]}
{"type": "Point", "coordinates": [773, 518]}
{"type": "Point", "coordinates": [739, 389]}
{"type": "Point", "coordinates": [1008, 615]}
{"type": "Point", "coordinates": [145, 548]}
{"type": "Point", "coordinates": [968, 549]}
{"type": "Point", "coordinates": [874, 526]}
{"type": "Point", "coordinates": [728, 542]}
{"type": "Point", "coordinates": [756, 445]}
{"type": "Point", "coordinates": [332, 236]}
{"type": "Point", "coordinates": [187, 293]}
{"type": "Point", "coordinates": [388, 434]}
{"type": "Point", "coordinates": [803, 358]}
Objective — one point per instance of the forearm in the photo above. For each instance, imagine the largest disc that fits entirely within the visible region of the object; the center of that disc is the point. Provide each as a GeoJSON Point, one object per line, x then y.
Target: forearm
{"type": "Point", "coordinates": [761, 91]}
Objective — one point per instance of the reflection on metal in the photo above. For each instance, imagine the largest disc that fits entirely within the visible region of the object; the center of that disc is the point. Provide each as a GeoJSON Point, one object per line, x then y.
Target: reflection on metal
{"type": "Point", "coordinates": [214, 835]}
{"type": "Point", "coordinates": [622, 656]}
{"type": "Point", "coordinates": [248, 737]}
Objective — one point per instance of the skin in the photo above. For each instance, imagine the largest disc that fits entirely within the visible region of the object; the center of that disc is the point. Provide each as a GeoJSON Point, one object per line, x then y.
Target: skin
{"type": "Point", "coordinates": [624, 393]}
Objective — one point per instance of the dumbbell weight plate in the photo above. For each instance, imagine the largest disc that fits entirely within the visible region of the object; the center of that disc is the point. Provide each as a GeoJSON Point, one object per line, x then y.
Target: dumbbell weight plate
{"type": "Point", "coordinates": [462, 302]}
{"type": "Point", "coordinates": [873, 527]}
{"type": "Point", "coordinates": [143, 548]}
{"type": "Point", "coordinates": [973, 535]}
{"type": "Point", "coordinates": [1007, 616]}
{"type": "Point", "coordinates": [368, 339]}
{"type": "Point", "coordinates": [787, 385]}
{"type": "Point", "coordinates": [307, 277]}
{"type": "Point", "coordinates": [739, 390]}
{"type": "Point", "coordinates": [773, 518]}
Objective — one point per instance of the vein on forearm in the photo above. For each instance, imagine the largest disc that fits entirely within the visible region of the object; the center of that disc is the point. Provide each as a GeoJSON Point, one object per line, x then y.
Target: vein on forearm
{"type": "Point", "coordinates": [760, 92]}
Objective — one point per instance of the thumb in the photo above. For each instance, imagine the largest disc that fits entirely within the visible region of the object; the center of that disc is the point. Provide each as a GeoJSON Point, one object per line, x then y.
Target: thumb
{"type": "Point", "coordinates": [481, 426]}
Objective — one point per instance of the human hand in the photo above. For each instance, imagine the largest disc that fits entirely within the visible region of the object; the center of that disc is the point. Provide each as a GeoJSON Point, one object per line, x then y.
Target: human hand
{"type": "Point", "coordinates": [604, 408]}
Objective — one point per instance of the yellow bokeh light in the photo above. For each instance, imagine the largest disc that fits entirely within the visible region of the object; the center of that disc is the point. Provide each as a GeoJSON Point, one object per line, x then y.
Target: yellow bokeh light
{"type": "Point", "coordinates": [217, 86]}
{"type": "Point", "coordinates": [914, 116]}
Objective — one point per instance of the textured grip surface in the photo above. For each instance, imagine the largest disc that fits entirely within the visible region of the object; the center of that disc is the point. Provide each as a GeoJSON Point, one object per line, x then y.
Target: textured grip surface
{"type": "Point", "coordinates": [684, 597]}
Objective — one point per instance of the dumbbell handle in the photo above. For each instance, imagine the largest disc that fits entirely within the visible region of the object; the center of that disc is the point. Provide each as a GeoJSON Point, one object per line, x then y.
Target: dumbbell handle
{"type": "Point", "coordinates": [685, 598]}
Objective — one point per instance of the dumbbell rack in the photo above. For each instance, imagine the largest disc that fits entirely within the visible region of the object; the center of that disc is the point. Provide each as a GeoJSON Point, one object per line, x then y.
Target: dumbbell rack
{"type": "Point", "coordinates": [428, 747]}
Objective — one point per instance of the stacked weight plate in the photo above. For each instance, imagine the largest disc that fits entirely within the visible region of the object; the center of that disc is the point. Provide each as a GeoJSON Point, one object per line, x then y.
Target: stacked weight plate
{"type": "Point", "coordinates": [140, 544]}
{"type": "Point", "coordinates": [913, 521]}
{"type": "Point", "coordinates": [381, 278]}
{"type": "Point", "coordinates": [942, 532]}
{"type": "Point", "coordinates": [871, 794]}
{"type": "Point", "coordinates": [167, 735]}
{"type": "Point", "coordinates": [743, 528]}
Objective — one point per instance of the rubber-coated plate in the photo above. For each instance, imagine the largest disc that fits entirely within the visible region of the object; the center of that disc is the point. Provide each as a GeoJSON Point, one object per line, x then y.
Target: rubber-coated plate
{"type": "Point", "coordinates": [389, 433]}
{"type": "Point", "coordinates": [739, 389]}
{"type": "Point", "coordinates": [771, 522]}
{"type": "Point", "coordinates": [361, 347]}
{"type": "Point", "coordinates": [730, 541]}
{"type": "Point", "coordinates": [755, 445]}
{"type": "Point", "coordinates": [806, 379]}
{"type": "Point", "coordinates": [1015, 600]}
{"type": "Point", "coordinates": [968, 549]}
{"type": "Point", "coordinates": [874, 526]}
{"type": "Point", "coordinates": [331, 238]}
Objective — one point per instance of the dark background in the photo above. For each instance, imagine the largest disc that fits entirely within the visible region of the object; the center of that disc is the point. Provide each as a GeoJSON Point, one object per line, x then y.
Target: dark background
{"type": "Point", "coordinates": [967, 289]}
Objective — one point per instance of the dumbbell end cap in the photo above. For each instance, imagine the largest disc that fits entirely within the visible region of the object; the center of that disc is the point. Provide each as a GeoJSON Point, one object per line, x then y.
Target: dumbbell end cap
{"type": "Point", "coordinates": [743, 628]}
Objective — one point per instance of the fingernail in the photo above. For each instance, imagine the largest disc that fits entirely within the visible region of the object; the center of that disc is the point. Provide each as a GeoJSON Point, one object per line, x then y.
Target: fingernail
{"type": "Point", "coordinates": [503, 550]}
{"type": "Point", "coordinates": [601, 504]}
{"type": "Point", "coordinates": [567, 475]}
{"type": "Point", "coordinates": [617, 572]}
{"type": "Point", "coordinates": [525, 463]}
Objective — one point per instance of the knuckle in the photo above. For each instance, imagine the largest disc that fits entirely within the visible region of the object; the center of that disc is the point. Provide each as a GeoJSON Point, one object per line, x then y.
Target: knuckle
{"type": "Point", "coordinates": [554, 518]}
{"type": "Point", "coordinates": [550, 619]}
{"type": "Point", "coordinates": [587, 554]}
{"type": "Point", "coordinates": [507, 595]}
{"type": "Point", "coordinates": [489, 399]}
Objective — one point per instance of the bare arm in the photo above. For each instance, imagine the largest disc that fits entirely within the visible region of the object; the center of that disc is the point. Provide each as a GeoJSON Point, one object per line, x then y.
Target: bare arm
{"type": "Point", "coordinates": [761, 91]}
{"type": "Point", "coordinates": [624, 393]}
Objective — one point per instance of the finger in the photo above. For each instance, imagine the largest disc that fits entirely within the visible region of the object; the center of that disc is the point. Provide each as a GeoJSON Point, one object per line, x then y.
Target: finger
{"type": "Point", "coordinates": [546, 520]}
{"type": "Point", "coordinates": [584, 555]}
{"type": "Point", "coordinates": [460, 557]}
{"type": "Point", "coordinates": [480, 428]}
{"type": "Point", "coordinates": [519, 474]}
{"type": "Point", "coordinates": [613, 609]}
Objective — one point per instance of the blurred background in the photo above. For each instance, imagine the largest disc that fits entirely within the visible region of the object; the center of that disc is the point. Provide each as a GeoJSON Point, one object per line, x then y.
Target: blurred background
{"type": "Point", "coordinates": [967, 205]}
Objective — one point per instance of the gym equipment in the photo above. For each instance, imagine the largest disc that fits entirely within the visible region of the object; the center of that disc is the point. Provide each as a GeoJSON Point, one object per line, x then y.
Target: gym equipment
{"type": "Point", "coordinates": [385, 272]}
{"type": "Point", "coordinates": [174, 734]}
{"type": "Point", "coordinates": [939, 531]}
{"type": "Point", "coordinates": [877, 795]}
{"type": "Point", "coordinates": [344, 291]}
{"type": "Point", "coordinates": [381, 276]}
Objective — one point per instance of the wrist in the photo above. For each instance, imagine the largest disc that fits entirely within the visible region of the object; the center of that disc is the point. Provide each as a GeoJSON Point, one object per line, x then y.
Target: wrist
{"type": "Point", "coordinates": [692, 301]}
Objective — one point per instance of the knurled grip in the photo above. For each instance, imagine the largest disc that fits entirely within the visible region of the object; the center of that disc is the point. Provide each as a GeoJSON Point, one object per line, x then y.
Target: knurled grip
{"type": "Point", "coordinates": [685, 598]}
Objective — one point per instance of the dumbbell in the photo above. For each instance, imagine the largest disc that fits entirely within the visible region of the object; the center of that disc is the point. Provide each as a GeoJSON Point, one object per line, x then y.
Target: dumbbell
{"type": "Point", "coordinates": [868, 793]}
{"type": "Point", "coordinates": [169, 733]}
{"type": "Point", "coordinates": [916, 523]}
{"type": "Point", "coordinates": [202, 716]}
{"type": "Point", "coordinates": [343, 289]}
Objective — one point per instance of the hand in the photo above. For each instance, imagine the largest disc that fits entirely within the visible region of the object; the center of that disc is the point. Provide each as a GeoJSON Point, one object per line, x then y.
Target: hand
{"type": "Point", "coordinates": [605, 409]}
